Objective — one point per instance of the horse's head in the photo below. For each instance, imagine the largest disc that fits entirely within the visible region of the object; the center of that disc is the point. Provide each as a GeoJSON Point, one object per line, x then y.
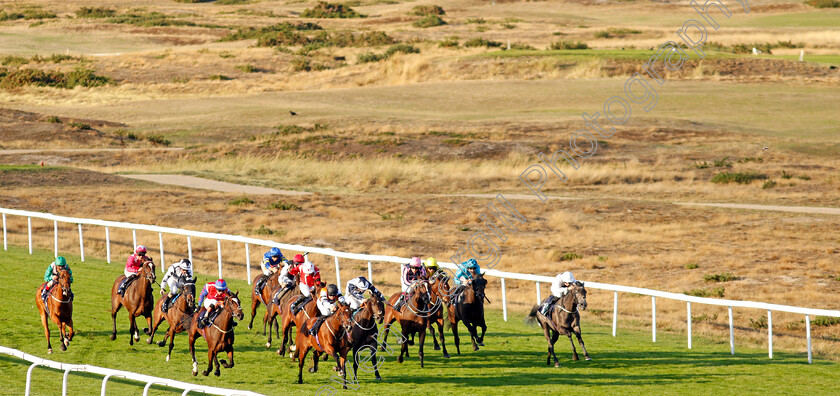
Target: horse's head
{"type": "Point", "coordinates": [188, 291]}
{"type": "Point", "coordinates": [234, 306]}
{"type": "Point", "coordinates": [478, 284]}
{"type": "Point", "coordinates": [148, 269]}
{"type": "Point", "coordinates": [64, 281]}
{"type": "Point", "coordinates": [342, 314]}
{"type": "Point", "coordinates": [580, 294]}
{"type": "Point", "coordinates": [377, 307]}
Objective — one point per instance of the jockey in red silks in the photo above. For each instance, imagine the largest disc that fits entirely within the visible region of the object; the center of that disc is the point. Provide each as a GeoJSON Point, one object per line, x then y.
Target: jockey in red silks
{"type": "Point", "coordinates": [212, 296]}
{"type": "Point", "coordinates": [132, 266]}
{"type": "Point", "coordinates": [310, 278]}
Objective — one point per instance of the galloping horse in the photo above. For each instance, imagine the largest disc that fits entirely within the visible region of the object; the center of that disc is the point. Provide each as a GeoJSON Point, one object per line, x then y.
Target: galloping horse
{"type": "Point", "coordinates": [564, 319]}
{"type": "Point", "coordinates": [441, 290]}
{"type": "Point", "coordinates": [470, 310]}
{"type": "Point", "coordinates": [264, 296]}
{"type": "Point", "coordinates": [179, 316]}
{"type": "Point", "coordinates": [59, 305]}
{"type": "Point", "coordinates": [414, 317]}
{"type": "Point", "coordinates": [332, 340]}
{"type": "Point", "coordinates": [219, 335]}
{"type": "Point", "coordinates": [274, 308]}
{"type": "Point", "coordinates": [363, 332]}
{"type": "Point", "coordinates": [310, 310]}
{"type": "Point", "coordinates": [137, 299]}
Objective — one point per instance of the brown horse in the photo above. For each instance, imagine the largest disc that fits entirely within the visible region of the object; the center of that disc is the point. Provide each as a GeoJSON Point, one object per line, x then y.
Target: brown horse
{"type": "Point", "coordinates": [363, 332]}
{"type": "Point", "coordinates": [289, 320]}
{"type": "Point", "coordinates": [137, 299]}
{"type": "Point", "coordinates": [564, 319]}
{"type": "Point", "coordinates": [179, 316]}
{"type": "Point", "coordinates": [219, 335]}
{"type": "Point", "coordinates": [332, 340]}
{"type": "Point", "coordinates": [441, 291]}
{"type": "Point", "coordinates": [60, 309]}
{"type": "Point", "coordinates": [414, 317]}
{"type": "Point", "coordinates": [470, 309]}
{"type": "Point", "coordinates": [264, 297]}
{"type": "Point", "coordinates": [274, 308]}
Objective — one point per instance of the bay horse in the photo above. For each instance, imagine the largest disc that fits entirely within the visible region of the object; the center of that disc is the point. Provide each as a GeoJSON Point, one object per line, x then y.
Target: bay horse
{"type": "Point", "coordinates": [59, 307]}
{"type": "Point", "coordinates": [332, 340]}
{"type": "Point", "coordinates": [364, 333]}
{"type": "Point", "coordinates": [414, 318]}
{"type": "Point", "coordinates": [179, 316]}
{"type": "Point", "coordinates": [274, 308]}
{"type": "Point", "coordinates": [264, 297]}
{"type": "Point", "coordinates": [289, 320]}
{"type": "Point", "coordinates": [470, 310]}
{"type": "Point", "coordinates": [441, 290]}
{"type": "Point", "coordinates": [137, 299]}
{"type": "Point", "coordinates": [564, 318]}
{"type": "Point", "coordinates": [219, 335]}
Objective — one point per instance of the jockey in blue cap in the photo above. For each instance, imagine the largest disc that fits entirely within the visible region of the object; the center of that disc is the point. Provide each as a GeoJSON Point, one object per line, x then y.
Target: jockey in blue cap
{"type": "Point", "coordinates": [466, 271]}
{"type": "Point", "coordinates": [271, 263]}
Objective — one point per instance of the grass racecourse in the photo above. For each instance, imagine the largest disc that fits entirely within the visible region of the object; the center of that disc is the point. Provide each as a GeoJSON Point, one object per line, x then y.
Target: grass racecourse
{"type": "Point", "coordinates": [512, 361]}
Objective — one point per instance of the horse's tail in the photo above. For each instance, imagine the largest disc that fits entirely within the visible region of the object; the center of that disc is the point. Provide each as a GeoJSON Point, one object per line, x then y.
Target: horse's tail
{"type": "Point", "coordinates": [532, 317]}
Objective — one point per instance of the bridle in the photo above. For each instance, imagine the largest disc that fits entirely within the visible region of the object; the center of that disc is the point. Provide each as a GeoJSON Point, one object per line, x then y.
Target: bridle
{"type": "Point", "coordinates": [367, 305]}
{"type": "Point", "coordinates": [427, 296]}
{"type": "Point", "coordinates": [229, 311]}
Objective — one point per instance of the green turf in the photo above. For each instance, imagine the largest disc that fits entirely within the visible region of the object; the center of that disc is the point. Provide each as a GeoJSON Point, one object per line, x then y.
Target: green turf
{"type": "Point", "coordinates": [512, 361]}
{"type": "Point", "coordinates": [813, 19]}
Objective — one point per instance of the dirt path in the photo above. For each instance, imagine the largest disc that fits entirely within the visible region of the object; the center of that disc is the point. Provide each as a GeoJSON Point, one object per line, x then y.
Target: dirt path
{"type": "Point", "coordinates": [85, 150]}
{"type": "Point", "coordinates": [795, 209]}
{"type": "Point", "coordinates": [207, 184]}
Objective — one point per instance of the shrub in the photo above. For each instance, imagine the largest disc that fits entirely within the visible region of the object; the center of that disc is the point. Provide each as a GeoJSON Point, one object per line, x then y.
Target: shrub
{"type": "Point", "coordinates": [246, 68]}
{"type": "Point", "coordinates": [455, 142]}
{"type": "Point", "coordinates": [263, 230]}
{"type": "Point", "coordinates": [401, 48]}
{"type": "Point", "coordinates": [232, 2]}
{"type": "Point", "coordinates": [241, 201]}
{"type": "Point", "coordinates": [218, 77]}
{"type": "Point", "coordinates": [616, 32]}
{"type": "Point", "coordinates": [27, 14]}
{"type": "Point", "coordinates": [423, 10]}
{"type": "Point", "coordinates": [691, 266]}
{"type": "Point", "coordinates": [522, 47]}
{"type": "Point", "coordinates": [724, 277]}
{"type": "Point", "coordinates": [428, 21]}
{"type": "Point", "coordinates": [12, 60]}
{"type": "Point", "coordinates": [301, 64]}
{"type": "Point", "coordinates": [823, 3]}
{"type": "Point", "coordinates": [568, 45]}
{"type": "Point", "coordinates": [760, 323]}
{"type": "Point", "coordinates": [740, 178]}
{"type": "Point", "coordinates": [721, 163]}
{"type": "Point", "coordinates": [747, 48]}
{"type": "Point", "coordinates": [94, 12]}
{"type": "Point", "coordinates": [768, 184]}
{"type": "Point", "coordinates": [54, 120]}
{"type": "Point", "coordinates": [80, 126]}
{"type": "Point", "coordinates": [480, 42]}
{"type": "Point", "coordinates": [786, 175]}
{"type": "Point", "coordinates": [330, 10]}
{"type": "Point", "coordinates": [825, 321]}
{"type": "Point", "coordinates": [449, 42]}
{"type": "Point", "coordinates": [23, 77]}
{"type": "Point", "coordinates": [701, 165]}
{"type": "Point", "coordinates": [54, 58]}
{"type": "Point", "coordinates": [390, 216]}
{"type": "Point", "coordinates": [252, 33]}
{"type": "Point", "coordinates": [715, 292]}
{"type": "Point", "coordinates": [280, 205]}
{"type": "Point", "coordinates": [803, 177]}
{"type": "Point", "coordinates": [476, 20]}
{"type": "Point", "coordinates": [149, 19]}
{"type": "Point", "coordinates": [566, 256]}
{"type": "Point", "coordinates": [158, 139]}
{"type": "Point", "coordinates": [368, 57]}
{"type": "Point", "coordinates": [751, 159]}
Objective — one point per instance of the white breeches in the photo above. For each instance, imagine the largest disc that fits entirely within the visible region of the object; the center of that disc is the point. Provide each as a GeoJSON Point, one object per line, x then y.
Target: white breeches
{"type": "Point", "coordinates": [304, 290]}
{"type": "Point", "coordinates": [173, 285]}
{"type": "Point", "coordinates": [208, 303]}
{"type": "Point", "coordinates": [354, 302]}
{"type": "Point", "coordinates": [127, 273]}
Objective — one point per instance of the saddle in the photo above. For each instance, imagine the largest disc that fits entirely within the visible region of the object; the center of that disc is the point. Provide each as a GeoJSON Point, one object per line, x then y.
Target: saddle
{"type": "Point", "coordinates": [168, 303]}
{"type": "Point", "coordinates": [125, 283]}
{"type": "Point", "coordinates": [209, 318]}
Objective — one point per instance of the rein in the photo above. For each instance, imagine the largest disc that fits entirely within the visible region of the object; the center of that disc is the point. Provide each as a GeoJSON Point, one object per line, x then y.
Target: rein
{"type": "Point", "coordinates": [67, 301]}
{"type": "Point", "coordinates": [231, 316]}
{"type": "Point", "coordinates": [356, 323]}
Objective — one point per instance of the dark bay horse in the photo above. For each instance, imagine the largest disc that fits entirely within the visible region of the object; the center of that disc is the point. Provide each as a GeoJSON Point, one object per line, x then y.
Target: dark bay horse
{"type": "Point", "coordinates": [179, 316]}
{"type": "Point", "coordinates": [470, 309]}
{"type": "Point", "coordinates": [333, 340]}
{"type": "Point", "coordinates": [441, 290]}
{"type": "Point", "coordinates": [288, 320]}
{"type": "Point", "coordinates": [219, 336]}
{"type": "Point", "coordinates": [564, 318]}
{"type": "Point", "coordinates": [138, 300]}
{"type": "Point", "coordinates": [274, 308]}
{"type": "Point", "coordinates": [264, 297]}
{"type": "Point", "coordinates": [414, 317]}
{"type": "Point", "coordinates": [363, 332]}
{"type": "Point", "coordinates": [60, 307]}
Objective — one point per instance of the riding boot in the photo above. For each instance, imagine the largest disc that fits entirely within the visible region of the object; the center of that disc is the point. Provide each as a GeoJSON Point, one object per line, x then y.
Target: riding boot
{"type": "Point", "coordinates": [165, 306]}
{"type": "Point", "coordinates": [199, 322]}
{"type": "Point", "coordinates": [121, 290]}
{"type": "Point", "coordinates": [547, 306]}
{"type": "Point", "coordinates": [294, 305]}
{"type": "Point", "coordinates": [261, 283]}
{"type": "Point", "coordinates": [45, 293]}
{"type": "Point", "coordinates": [398, 305]}
{"type": "Point", "coordinates": [317, 325]}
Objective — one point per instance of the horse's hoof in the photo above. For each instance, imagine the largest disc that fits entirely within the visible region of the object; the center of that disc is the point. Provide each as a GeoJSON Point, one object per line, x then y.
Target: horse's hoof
{"type": "Point", "coordinates": [341, 373]}
{"type": "Point", "coordinates": [205, 373]}
{"type": "Point", "coordinates": [312, 369]}
{"type": "Point", "coordinates": [437, 348]}
{"type": "Point", "coordinates": [475, 348]}
{"type": "Point", "coordinates": [195, 373]}
{"type": "Point", "coordinates": [268, 345]}
{"type": "Point", "coordinates": [378, 378]}
{"type": "Point", "coordinates": [136, 336]}
{"type": "Point", "coordinates": [249, 327]}
{"type": "Point", "coordinates": [556, 364]}
{"type": "Point", "coordinates": [63, 347]}
{"type": "Point", "coordinates": [588, 358]}
{"type": "Point", "coordinates": [161, 343]}
{"type": "Point", "coordinates": [336, 369]}
{"type": "Point", "coordinates": [400, 359]}
{"type": "Point", "coordinates": [113, 336]}
{"type": "Point", "coordinates": [147, 331]}
{"type": "Point", "coordinates": [49, 351]}
{"type": "Point", "coordinates": [167, 358]}
{"type": "Point", "coordinates": [382, 348]}
{"type": "Point", "coordinates": [481, 343]}
{"type": "Point", "coordinates": [446, 356]}
{"type": "Point", "coordinates": [410, 342]}
{"type": "Point", "coordinates": [293, 348]}
{"type": "Point", "coordinates": [575, 358]}
{"type": "Point", "coordinates": [217, 373]}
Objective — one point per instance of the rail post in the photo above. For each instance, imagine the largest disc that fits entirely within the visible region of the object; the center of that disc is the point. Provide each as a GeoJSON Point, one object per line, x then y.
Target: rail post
{"type": "Point", "coordinates": [29, 377]}
{"type": "Point", "coordinates": [731, 333]}
{"type": "Point", "coordinates": [808, 335]}
{"type": "Point", "coordinates": [653, 316]}
{"type": "Point", "coordinates": [55, 237]}
{"type": "Point", "coordinates": [248, 263]}
{"type": "Point", "coordinates": [5, 243]}
{"type": "Point", "coordinates": [108, 245]}
{"type": "Point", "coordinates": [162, 260]}
{"type": "Point", "coordinates": [189, 250]}
{"type": "Point", "coordinates": [370, 272]}
{"type": "Point", "coordinates": [770, 333]}
{"type": "Point", "coordinates": [219, 254]}
{"type": "Point", "coordinates": [149, 385]}
{"type": "Point", "coordinates": [615, 311]}
{"type": "Point", "coordinates": [81, 243]}
{"type": "Point", "coordinates": [504, 300]}
{"type": "Point", "coordinates": [337, 272]}
{"type": "Point", "coordinates": [29, 224]}
{"type": "Point", "coordinates": [105, 382]}
{"type": "Point", "coordinates": [134, 238]}
{"type": "Point", "coordinates": [688, 322]}
{"type": "Point", "coordinates": [64, 380]}
{"type": "Point", "coordinates": [539, 300]}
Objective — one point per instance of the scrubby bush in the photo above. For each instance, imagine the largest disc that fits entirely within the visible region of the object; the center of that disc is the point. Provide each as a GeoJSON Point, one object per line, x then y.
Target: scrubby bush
{"type": "Point", "coordinates": [25, 77]}
{"type": "Point", "coordinates": [768, 184]}
{"type": "Point", "coordinates": [723, 277]}
{"type": "Point", "coordinates": [480, 42]}
{"type": "Point", "coordinates": [568, 45]}
{"type": "Point", "coordinates": [254, 33]}
{"type": "Point", "coordinates": [449, 42]}
{"type": "Point", "coordinates": [246, 68]}
{"type": "Point", "coordinates": [94, 12]}
{"type": "Point", "coordinates": [423, 10]}
{"type": "Point", "coordinates": [715, 292]}
{"type": "Point", "coordinates": [241, 201]}
{"type": "Point", "coordinates": [27, 14]}
{"type": "Point", "coordinates": [158, 139]}
{"type": "Point", "coordinates": [616, 32]}
{"type": "Point", "coordinates": [13, 60]}
{"type": "Point", "coordinates": [368, 57]}
{"type": "Point", "coordinates": [280, 205]}
{"type": "Point", "coordinates": [80, 126]}
{"type": "Point", "coordinates": [429, 21]}
{"type": "Point", "coordinates": [823, 3]}
{"type": "Point", "coordinates": [149, 19]}
{"type": "Point", "coordinates": [735, 177]}
{"type": "Point", "coordinates": [330, 10]}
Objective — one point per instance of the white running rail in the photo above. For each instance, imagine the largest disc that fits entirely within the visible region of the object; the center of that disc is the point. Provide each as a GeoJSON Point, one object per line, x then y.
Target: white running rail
{"type": "Point", "coordinates": [808, 312]}
{"type": "Point", "coordinates": [109, 373]}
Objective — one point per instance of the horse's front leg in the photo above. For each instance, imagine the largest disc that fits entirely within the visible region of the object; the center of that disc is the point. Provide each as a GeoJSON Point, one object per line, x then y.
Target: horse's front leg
{"type": "Point", "coordinates": [554, 336]}
{"type": "Point", "coordinates": [171, 341]}
{"type": "Point", "coordinates": [582, 346]}
{"type": "Point", "coordinates": [148, 328]}
{"type": "Point", "coordinates": [574, 351]}
{"type": "Point", "coordinates": [132, 329]}
{"type": "Point", "coordinates": [211, 355]}
{"type": "Point", "coordinates": [46, 323]}
{"type": "Point", "coordinates": [442, 341]}
{"type": "Point", "coordinates": [62, 336]}
{"type": "Point", "coordinates": [422, 341]}
{"type": "Point", "coordinates": [230, 357]}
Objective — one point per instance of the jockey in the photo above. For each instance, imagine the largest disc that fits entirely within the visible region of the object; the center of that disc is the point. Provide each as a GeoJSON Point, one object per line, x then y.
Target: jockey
{"type": "Point", "coordinates": [270, 265]}
{"type": "Point", "coordinates": [286, 279]}
{"type": "Point", "coordinates": [327, 304]}
{"type": "Point", "coordinates": [411, 272]}
{"type": "Point", "coordinates": [431, 266]}
{"type": "Point", "coordinates": [177, 271]}
{"type": "Point", "coordinates": [356, 288]}
{"type": "Point", "coordinates": [559, 288]}
{"type": "Point", "coordinates": [215, 293]}
{"type": "Point", "coordinates": [132, 266]}
{"type": "Point", "coordinates": [466, 271]}
{"type": "Point", "coordinates": [310, 278]}
{"type": "Point", "coordinates": [51, 275]}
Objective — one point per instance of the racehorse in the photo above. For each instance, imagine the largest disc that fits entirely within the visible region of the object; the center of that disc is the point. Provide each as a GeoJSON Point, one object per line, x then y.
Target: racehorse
{"type": "Point", "coordinates": [179, 316]}
{"type": "Point", "coordinates": [264, 296]}
{"type": "Point", "coordinates": [414, 317]}
{"type": "Point", "coordinates": [137, 300]}
{"type": "Point", "coordinates": [442, 291]}
{"type": "Point", "coordinates": [470, 310]}
{"type": "Point", "coordinates": [564, 319]}
{"type": "Point", "coordinates": [363, 332]}
{"type": "Point", "coordinates": [280, 297]}
{"type": "Point", "coordinates": [219, 335]}
{"type": "Point", "coordinates": [332, 340]}
{"type": "Point", "coordinates": [310, 310]}
{"type": "Point", "coordinates": [59, 308]}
